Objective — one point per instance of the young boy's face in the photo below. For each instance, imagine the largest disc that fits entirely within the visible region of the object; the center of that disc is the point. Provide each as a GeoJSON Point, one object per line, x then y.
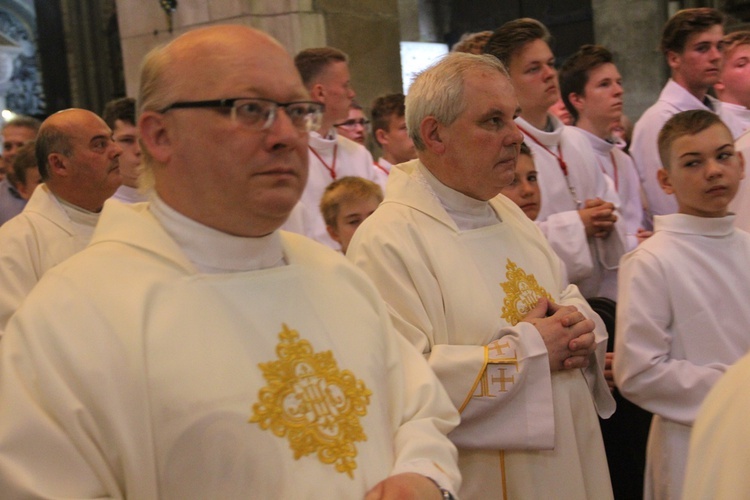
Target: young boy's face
{"type": "Point", "coordinates": [524, 190]}
{"type": "Point", "coordinates": [351, 215]}
{"type": "Point", "coordinates": [704, 172]}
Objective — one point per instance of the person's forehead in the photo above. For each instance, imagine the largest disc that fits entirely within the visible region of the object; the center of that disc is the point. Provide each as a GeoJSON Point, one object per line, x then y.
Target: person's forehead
{"type": "Point", "coordinates": [122, 126]}
{"type": "Point", "coordinates": [741, 50]}
{"type": "Point", "coordinates": [531, 51]}
{"type": "Point", "coordinates": [16, 132]}
{"type": "Point", "coordinates": [713, 34]}
{"type": "Point", "coordinates": [491, 85]}
{"type": "Point", "coordinates": [705, 141]}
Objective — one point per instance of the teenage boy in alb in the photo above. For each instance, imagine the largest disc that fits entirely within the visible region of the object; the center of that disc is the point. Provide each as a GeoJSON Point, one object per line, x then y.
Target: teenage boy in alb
{"type": "Point", "coordinates": [579, 210]}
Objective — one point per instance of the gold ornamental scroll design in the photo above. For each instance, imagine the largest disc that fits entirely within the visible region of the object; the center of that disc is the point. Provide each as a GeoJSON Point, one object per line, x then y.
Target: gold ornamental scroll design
{"type": "Point", "coordinates": [312, 403]}
{"type": "Point", "coordinates": [522, 292]}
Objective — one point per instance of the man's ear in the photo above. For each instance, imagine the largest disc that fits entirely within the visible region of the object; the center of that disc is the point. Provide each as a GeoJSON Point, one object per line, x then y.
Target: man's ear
{"type": "Point", "coordinates": [154, 135]}
{"type": "Point", "coordinates": [430, 131]}
{"type": "Point", "coordinates": [381, 137]}
{"type": "Point", "coordinates": [577, 101]}
{"type": "Point", "coordinates": [666, 184]}
{"type": "Point", "coordinates": [673, 58]}
{"type": "Point", "coordinates": [318, 93]}
{"type": "Point", "coordinates": [57, 165]}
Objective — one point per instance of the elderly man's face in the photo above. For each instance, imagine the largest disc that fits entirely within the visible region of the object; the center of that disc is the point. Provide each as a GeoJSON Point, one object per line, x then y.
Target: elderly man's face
{"type": "Point", "coordinates": [222, 172]}
{"type": "Point", "coordinates": [94, 160]}
{"type": "Point", "coordinates": [482, 144]}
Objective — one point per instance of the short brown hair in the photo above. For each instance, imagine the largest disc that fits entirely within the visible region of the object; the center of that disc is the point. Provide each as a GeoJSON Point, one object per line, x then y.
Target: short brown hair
{"type": "Point", "coordinates": [343, 190]}
{"type": "Point", "coordinates": [311, 62]}
{"type": "Point", "coordinates": [685, 23]}
{"type": "Point", "coordinates": [384, 109]}
{"type": "Point", "coordinates": [574, 74]}
{"type": "Point", "coordinates": [24, 160]}
{"type": "Point", "coordinates": [685, 123]}
{"type": "Point", "coordinates": [122, 109]}
{"type": "Point", "coordinates": [473, 43]}
{"type": "Point", "coordinates": [514, 35]}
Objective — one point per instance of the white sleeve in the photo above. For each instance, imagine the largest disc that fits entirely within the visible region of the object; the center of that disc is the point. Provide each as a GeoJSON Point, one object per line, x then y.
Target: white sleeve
{"type": "Point", "coordinates": [645, 371]}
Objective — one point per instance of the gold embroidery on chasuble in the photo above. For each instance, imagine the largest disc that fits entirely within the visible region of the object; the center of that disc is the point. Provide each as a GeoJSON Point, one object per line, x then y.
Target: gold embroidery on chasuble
{"type": "Point", "coordinates": [312, 403]}
{"type": "Point", "coordinates": [522, 292]}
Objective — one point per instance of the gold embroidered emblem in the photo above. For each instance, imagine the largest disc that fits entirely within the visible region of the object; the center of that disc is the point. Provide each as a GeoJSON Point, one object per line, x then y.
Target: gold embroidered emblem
{"type": "Point", "coordinates": [312, 403]}
{"type": "Point", "coordinates": [522, 292]}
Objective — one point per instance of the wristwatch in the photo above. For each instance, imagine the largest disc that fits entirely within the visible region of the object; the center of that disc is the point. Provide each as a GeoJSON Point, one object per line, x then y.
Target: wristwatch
{"type": "Point", "coordinates": [446, 494]}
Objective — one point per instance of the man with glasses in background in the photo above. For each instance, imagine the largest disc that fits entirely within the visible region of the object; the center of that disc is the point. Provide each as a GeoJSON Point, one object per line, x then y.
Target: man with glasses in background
{"type": "Point", "coordinates": [195, 351]}
{"type": "Point", "coordinates": [356, 126]}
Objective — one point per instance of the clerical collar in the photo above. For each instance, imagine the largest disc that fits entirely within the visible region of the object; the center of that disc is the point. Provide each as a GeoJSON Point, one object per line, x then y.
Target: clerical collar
{"type": "Point", "coordinates": [467, 212]}
{"type": "Point", "coordinates": [79, 215]}
{"type": "Point", "coordinates": [213, 251]}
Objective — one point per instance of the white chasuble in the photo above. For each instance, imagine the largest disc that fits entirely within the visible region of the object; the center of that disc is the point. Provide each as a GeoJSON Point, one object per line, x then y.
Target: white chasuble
{"type": "Point", "coordinates": [458, 296]}
{"type": "Point", "coordinates": [164, 382]}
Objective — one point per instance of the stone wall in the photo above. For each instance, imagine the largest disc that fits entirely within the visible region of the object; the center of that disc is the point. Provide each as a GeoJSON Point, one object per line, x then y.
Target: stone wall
{"type": "Point", "coordinates": [367, 30]}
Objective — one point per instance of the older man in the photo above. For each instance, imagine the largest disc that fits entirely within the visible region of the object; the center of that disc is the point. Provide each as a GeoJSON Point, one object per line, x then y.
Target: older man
{"type": "Point", "coordinates": [473, 284]}
{"type": "Point", "coordinates": [194, 351]}
{"type": "Point", "coordinates": [78, 162]}
{"type": "Point", "coordinates": [17, 132]}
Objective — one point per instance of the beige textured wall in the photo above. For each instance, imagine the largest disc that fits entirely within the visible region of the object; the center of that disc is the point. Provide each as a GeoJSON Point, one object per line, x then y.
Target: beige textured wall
{"type": "Point", "coordinates": [368, 30]}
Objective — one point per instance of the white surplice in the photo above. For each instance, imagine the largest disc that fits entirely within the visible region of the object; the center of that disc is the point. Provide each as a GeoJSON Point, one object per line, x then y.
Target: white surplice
{"type": "Point", "coordinates": [382, 170]}
{"type": "Point", "coordinates": [128, 373]}
{"type": "Point", "coordinates": [720, 441]}
{"type": "Point", "coordinates": [458, 295]}
{"type": "Point", "coordinates": [43, 235]}
{"type": "Point", "coordinates": [586, 259]}
{"type": "Point", "coordinates": [644, 150]}
{"type": "Point", "coordinates": [351, 159]}
{"type": "Point", "coordinates": [682, 319]}
{"type": "Point", "coordinates": [740, 205]}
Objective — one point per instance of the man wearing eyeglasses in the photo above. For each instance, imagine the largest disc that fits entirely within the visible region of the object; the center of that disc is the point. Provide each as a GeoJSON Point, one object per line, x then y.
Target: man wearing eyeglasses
{"type": "Point", "coordinates": [325, 73]}
{"type": "Point", "coordinates": [193, 350]}
{"type": "Point", "coordinates": [356, 126]}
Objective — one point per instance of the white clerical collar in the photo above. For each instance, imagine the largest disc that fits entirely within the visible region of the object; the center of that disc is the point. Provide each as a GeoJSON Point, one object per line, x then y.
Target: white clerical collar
{"type": "Point", "coordinates": [78, 215]}
{"type": "Point", "coordinates": [213, 251]}
{"type": "Point", "coordinates": [692, 224]}
{"type": "Point", "coordinates": [384, 164]}
{"type": "Point", "coordinates": [550, 140]}
{"type": "Point", "coordinates": [600, 146]}
{"type": "Point", "coordinates": [467, 212]}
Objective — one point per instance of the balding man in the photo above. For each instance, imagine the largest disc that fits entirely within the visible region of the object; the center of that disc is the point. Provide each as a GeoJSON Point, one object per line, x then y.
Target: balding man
{"type": "Point", "coordinates": [194, 351]}
{"type": "Point", "coordinates": [474, 285]}
{"type": "Point", "coordinates": [78, 163]}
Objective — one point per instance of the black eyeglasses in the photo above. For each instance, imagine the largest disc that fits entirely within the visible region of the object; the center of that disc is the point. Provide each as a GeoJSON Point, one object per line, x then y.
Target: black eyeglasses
{"type": "Point", "coordinates": [259, 113]}
{"type": "Point", "coordinates": [353, 122]}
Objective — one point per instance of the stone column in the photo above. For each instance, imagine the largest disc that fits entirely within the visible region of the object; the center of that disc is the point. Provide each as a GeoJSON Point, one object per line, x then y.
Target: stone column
{"type": "Point", "coordinates": [631, 29]}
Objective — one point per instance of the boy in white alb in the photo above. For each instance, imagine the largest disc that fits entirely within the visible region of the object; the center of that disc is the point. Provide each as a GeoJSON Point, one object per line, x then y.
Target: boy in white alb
{"type": "Point", "coordinates": [325, 73]}
{"type": "Point", "coordinates": [733, 89]}
{"type": "Point", "coordinates": [682, 315]}
{"type": "Point", "coordinates": [389, 130]}
{"type": "Point", "coordinates": [692, 45]}
{"type": "Point", "coordinates": [579, 213]}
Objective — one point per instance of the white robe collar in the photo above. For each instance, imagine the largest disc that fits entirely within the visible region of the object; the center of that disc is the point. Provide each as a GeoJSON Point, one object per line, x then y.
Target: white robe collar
{"type": "Point", "coordinates": [550, 140]}
{"type": "Point", "coordinates": [213, 251]}
{"type": "Point", "coordinates": [692, 224]}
